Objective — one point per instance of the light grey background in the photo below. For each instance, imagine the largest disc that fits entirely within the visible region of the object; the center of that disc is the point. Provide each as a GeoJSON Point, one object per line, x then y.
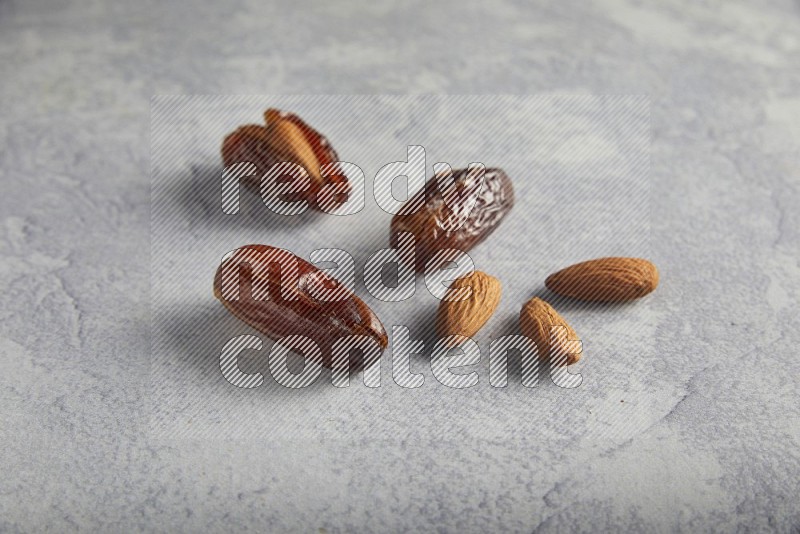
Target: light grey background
{"type": "Point", "coordinates": [716, 432]}
{"type": "Point", "coordinates": [580, 167]}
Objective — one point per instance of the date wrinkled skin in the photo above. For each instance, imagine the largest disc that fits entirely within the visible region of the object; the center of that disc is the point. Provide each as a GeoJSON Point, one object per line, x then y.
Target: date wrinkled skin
{"type": "Point", "coordinates": [460, 217]}
{"type": "Point", "coordinates": [285, 137]}
{"type": "Point", "coordinates": [278, 301]}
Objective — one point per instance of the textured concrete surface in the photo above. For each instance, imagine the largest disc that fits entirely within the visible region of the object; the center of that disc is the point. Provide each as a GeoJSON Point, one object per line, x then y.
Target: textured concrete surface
{"type": "Point", "coordinates": [708, 437]}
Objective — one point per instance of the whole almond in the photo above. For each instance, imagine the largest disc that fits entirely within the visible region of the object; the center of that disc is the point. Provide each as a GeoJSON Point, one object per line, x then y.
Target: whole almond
{"type": "Point", "coordinates": [289, 143]}
{"type": "Point", "coordinates": [605, 280]}
{"type": "Point", "coordinates": [540, 322]}
{"type": "Point", "coordinates": [465, 317]}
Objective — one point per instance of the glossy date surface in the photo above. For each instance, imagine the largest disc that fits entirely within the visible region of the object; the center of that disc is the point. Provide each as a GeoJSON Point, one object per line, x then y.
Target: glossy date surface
{"type": "Point", "coordinates": [455, 214]}
{"type": "Point", "coordinates": [280, 294]}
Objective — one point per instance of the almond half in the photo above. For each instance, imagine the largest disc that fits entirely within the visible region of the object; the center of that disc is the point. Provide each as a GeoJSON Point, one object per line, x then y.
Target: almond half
{"type": "Point", "coordinates": [605, 280]}
{"type": "Point", "coordinates": [465, 317]}
{"type": "Point", "coordinates": [542, 324]}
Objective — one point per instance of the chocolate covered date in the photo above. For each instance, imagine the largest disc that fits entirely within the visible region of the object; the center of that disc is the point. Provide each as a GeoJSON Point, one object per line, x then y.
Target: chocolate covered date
{"type": "Point", "coordinates": [454, 214]}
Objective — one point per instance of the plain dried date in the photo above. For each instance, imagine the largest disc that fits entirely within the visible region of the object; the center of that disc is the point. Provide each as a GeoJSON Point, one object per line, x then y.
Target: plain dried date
{"type": "Point", "coordinates": [434, 219]}
{"type": "Point", "coordinates": [255, 284]}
